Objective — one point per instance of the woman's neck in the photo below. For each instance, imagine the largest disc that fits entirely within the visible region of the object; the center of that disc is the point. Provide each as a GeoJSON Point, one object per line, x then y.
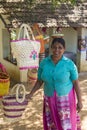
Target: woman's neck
{"type": "Point", "coordinates": [56, 59]}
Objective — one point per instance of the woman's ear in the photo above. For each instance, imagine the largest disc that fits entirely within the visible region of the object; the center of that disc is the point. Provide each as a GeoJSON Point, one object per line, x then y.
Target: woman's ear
{"type": "Point", "coordinates": [64, 50]}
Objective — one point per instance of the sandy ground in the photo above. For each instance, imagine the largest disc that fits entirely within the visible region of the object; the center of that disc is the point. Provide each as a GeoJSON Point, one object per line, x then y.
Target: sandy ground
{"type": "Point", "coordinates": [83, 84]}
{"type": "Point", "coordinates": [32, 117]}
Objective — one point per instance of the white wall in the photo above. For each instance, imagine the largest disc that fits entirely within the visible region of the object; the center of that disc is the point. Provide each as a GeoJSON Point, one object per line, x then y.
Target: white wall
{"type": "Point", "coordinates": [84, 32]}
{"type": "Point", "coordinates": [11, 68]}
{"type": "Point", "coordinates": [70, 36]}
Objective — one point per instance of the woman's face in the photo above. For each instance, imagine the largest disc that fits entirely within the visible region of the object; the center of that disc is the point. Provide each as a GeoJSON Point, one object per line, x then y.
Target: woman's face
{"type": "Point", "coordinates": [57, 49]}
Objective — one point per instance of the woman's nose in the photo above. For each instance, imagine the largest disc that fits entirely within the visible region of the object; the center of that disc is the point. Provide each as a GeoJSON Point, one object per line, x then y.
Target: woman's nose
{"type": "Point", "coordinates": [57, 48]}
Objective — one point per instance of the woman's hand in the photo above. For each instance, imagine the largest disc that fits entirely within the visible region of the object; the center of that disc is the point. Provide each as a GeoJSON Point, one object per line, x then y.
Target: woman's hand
{"type": "Point", "coordinates": [34, 89]}
{"type": "Point", "coordinates": [79, 106]}
{"type": "Point", "coordinates": [78, 94]}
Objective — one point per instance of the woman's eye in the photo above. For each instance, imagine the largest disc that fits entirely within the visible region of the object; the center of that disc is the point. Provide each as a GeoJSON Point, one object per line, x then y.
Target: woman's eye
{"type": "Point", "coordinates": [57, 48]}
{"type": "Point", "coordinates": [60, 48]}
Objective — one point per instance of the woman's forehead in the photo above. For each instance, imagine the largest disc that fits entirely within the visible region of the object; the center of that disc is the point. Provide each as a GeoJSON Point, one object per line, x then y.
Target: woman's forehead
{"type": "Point", "coordinates": [57, 43]}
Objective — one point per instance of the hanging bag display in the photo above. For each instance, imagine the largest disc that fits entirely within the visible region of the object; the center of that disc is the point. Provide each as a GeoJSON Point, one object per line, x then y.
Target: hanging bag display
{"type": "Point", "coordinates": [39, 37]}
{"type": "Point", "coordinates": [4, 81]}
{"type": "Point", "coordinates": [26, 49]}
{"type": "Point", "coordinates": [15, 103]}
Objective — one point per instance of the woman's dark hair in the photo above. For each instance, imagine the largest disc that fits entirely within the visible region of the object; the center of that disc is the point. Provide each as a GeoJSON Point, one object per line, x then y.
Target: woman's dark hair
{"type": "Point", "coordinates": [58, 40]}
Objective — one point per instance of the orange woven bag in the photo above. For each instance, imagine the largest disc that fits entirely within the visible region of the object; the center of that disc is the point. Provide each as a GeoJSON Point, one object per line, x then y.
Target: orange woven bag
{"type": "Point", "coordinates": [38, 36]}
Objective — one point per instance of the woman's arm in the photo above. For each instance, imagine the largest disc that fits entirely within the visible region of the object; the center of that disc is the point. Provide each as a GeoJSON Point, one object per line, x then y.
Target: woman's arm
{"type": "Point", "coordinates": [78, 94]}
{"type": "Point", "coordinates": [37, 86]}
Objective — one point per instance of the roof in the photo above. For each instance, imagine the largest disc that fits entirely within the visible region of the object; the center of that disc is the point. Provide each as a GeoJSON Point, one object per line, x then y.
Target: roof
{"type": "Point", "coordinates": [64, 15]}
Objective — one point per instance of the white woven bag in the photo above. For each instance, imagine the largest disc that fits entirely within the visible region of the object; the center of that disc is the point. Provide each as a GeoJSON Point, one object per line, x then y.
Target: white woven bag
{"type": "Point", "coordinates": [14, 104]}
{"type": "Point", "coordinates": [26, 49]}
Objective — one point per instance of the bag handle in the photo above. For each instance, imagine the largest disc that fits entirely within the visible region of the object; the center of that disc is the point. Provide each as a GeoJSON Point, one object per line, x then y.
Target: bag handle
{"type": "Point", "coordinates": [34, 44]}
{"type": "Point", "coordinates": [17, 88]}
{"type": "Point", "coordinates": [27, 31]}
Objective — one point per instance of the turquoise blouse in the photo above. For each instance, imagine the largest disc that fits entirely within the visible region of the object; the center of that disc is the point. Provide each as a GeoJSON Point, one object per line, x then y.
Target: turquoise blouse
{"type": "Point", "coordinates": [57, 77]}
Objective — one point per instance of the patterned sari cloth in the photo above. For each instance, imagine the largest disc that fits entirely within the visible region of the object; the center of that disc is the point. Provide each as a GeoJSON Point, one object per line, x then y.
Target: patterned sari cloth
{"type": "Point", "coordinates": [59, 112]}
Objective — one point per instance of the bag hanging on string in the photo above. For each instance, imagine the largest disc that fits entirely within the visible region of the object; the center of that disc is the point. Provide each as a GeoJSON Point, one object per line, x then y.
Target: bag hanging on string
{"type": "Point", "coordinates": [14, 104]}
{"type": "Point", "coordinates": [26, 49]}
{"type": "Point", "coordinates": [39, 36]}
{"type": "Point", "coordinates": [4, 81]}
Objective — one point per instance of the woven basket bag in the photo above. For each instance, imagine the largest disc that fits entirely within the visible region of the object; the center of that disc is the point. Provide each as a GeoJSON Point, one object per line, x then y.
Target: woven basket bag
{"type": "Point", "coordinates": [39, 36]}
{"type": "Point", "coordinates": [26, 49]}
{"type": "Point", "coordinates": [4, 81]}
{"type": "Point", "coordinates": [15, 103]}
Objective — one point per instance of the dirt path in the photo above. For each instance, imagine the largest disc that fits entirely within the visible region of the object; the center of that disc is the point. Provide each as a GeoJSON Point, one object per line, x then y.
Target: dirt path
{"type": "Point", "coordinates": [32, 118]}
{"type": "Point", "coordinates": [83, 84]}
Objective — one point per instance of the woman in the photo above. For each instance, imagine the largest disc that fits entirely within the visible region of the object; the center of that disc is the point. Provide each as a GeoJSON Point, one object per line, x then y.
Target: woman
{"type": "Point", "coordinates": [61, 84]}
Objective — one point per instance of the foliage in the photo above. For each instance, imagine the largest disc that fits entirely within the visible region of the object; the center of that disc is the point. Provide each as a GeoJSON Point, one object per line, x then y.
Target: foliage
{"type": "Point", "coordinates": [54, 2]}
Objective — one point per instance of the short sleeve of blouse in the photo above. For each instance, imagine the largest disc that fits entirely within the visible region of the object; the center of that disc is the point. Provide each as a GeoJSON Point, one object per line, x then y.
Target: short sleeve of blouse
{"type": "Point", "coordinates": [73, 71]}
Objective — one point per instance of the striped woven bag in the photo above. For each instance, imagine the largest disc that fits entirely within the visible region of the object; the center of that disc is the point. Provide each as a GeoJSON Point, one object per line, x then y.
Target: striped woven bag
{"type": "Point", "coordinates": [15, 103]}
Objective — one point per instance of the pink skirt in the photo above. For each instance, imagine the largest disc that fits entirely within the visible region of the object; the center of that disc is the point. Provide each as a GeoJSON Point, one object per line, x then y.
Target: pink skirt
{"type": "Point", "coordinates": [59, 112]}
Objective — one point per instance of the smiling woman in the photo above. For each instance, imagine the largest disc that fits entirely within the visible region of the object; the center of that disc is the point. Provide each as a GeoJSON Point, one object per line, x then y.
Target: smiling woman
{"type": "Point", "coordinates": [61, 88]}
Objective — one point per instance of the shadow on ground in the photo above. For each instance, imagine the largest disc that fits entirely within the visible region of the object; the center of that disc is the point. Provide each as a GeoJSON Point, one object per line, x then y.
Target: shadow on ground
{"type": "Point", "coordinates": [32, 117]}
